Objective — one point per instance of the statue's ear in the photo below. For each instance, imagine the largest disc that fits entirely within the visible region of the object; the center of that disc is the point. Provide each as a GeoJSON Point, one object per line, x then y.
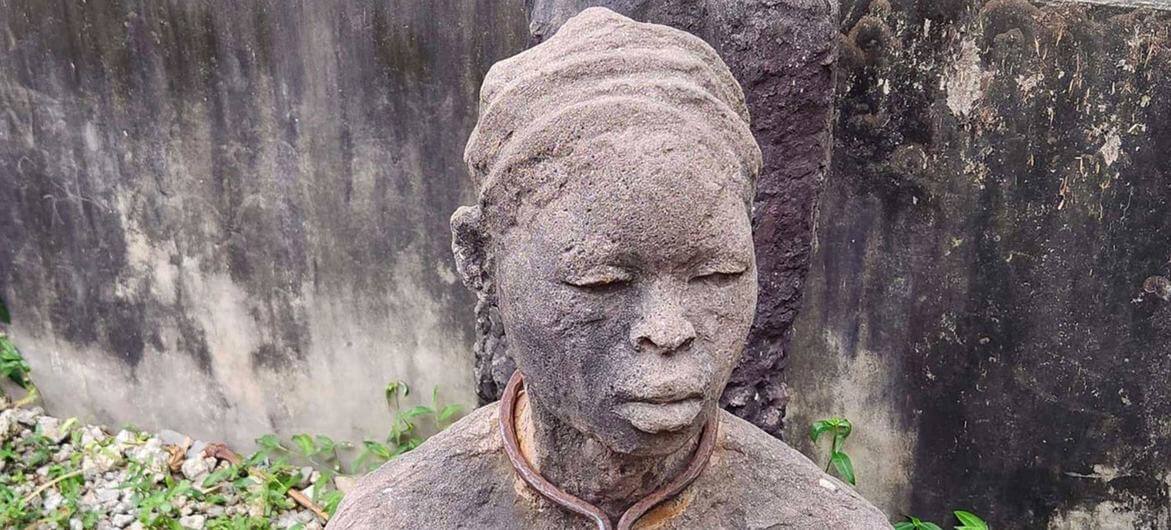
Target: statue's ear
{"type": "Point", "coordinates": [469, 243]}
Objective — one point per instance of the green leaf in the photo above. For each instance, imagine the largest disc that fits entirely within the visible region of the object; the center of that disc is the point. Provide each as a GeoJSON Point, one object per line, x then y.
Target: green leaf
{"type": "Point", "coordinates": [305, 444]}
{"type": "Point", "coordinates": [905, 525]}
{"type": "Point", "coordinates": [269, 441]}
{"type": "Point", "coordinates": [969, 521]}
{"type": "Point", "coordinates": [448, 412]}
{"type": "Point", "coordinates": [819, 427]}
{"type": "Point", "coordinates": [377, 449]}
{"type": "Point", "coordinates": [928, 525]}
{"type": "Point", "coordinates": [395, 388]}
{"type": "Point", "coordinates": [416, 411]}
{"type": "Point", "coordinates": [12, 364]}
{"type": "Point", "coordinates": [842, 430]}
{"type": "Point", "coordinates": [845, 468]}
{"type": "Point", "coordinates": [5, 316]}
{"type": "Point", "coordinates": [326, 444]}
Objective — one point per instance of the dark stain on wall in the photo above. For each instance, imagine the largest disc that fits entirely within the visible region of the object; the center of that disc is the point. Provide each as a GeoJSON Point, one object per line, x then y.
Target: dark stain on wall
{"type": "Point", "coordinates": [305, 151]}
{"type": "Point", "coordinates": [998, 201]}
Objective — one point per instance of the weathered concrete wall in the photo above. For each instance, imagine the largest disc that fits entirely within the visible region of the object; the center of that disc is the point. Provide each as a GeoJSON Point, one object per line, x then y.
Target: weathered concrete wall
{"type": "Point", "coordinates": [989, 300]}
{"type": "Point", "coordinates": [230, 218]}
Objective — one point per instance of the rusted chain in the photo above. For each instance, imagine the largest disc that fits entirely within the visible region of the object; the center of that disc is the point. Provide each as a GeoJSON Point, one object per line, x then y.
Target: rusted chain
{"type": "Point", "coordinates": [699, 460]}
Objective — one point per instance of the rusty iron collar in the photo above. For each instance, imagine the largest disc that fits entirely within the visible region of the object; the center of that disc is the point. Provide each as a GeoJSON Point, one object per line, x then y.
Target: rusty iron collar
{"type": "Point", "coordinates": [533, 478]}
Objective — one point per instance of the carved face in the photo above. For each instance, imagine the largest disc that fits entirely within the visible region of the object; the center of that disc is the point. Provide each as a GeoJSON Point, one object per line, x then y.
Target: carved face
{"type": "Point", "coordinates": [627, 298]}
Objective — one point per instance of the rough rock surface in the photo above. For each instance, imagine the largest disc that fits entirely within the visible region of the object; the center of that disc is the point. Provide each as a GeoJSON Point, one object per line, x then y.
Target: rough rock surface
{"type": "Point", "coordinates": [461, 478]}
{"type": "Point", "coordinates": [989, 299]}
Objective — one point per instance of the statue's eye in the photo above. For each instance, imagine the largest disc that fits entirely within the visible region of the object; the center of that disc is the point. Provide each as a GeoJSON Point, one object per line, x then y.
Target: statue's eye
{"type": "Point", "coordinates": [600, 278]}
{"type": "Point", "coordinates": [718, 277]}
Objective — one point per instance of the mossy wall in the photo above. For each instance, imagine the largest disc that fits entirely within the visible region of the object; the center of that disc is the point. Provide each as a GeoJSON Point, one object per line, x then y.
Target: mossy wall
{"type": "Point", "coordinates": [989, 298]}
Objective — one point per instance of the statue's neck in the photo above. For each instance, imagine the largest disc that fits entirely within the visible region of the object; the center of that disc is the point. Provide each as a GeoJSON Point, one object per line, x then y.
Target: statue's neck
{"type": "Point", "coordinates": [582, 466]}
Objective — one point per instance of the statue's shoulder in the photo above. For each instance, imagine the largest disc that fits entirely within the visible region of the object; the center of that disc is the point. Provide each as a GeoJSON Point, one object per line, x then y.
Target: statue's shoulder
{"type": "Point", "coordinates": [448, 481]}
{"type": "Point", "coordinates": [791, 489]}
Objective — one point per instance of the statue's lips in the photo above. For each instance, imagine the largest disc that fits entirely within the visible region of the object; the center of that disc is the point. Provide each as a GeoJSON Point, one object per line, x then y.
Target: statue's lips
{"type": "Point", "coordinates": [657, 417]}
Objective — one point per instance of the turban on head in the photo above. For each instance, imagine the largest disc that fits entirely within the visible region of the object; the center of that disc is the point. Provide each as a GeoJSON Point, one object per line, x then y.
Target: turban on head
{"type": "Point", "coordinates": [601, 73]}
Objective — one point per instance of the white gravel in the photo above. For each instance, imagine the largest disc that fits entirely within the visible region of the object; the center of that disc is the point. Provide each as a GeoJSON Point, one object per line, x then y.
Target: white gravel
{"type": "Point", "coordinates": [36, 449]}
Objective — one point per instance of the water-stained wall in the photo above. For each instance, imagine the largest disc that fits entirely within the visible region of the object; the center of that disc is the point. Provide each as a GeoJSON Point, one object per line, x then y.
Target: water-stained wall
{"type": "Point", "coordinates": [230, 218]}
{"type": "Point", "coordinates": [989, 298]}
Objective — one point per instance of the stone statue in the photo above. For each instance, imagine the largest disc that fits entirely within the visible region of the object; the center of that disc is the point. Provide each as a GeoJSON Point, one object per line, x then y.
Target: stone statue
{"type": "Point", "coordinates": [615, 170]}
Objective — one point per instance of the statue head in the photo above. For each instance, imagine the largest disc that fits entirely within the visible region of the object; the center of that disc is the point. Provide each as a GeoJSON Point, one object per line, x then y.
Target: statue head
{"type": "Point", "coordinates": [615, 170]}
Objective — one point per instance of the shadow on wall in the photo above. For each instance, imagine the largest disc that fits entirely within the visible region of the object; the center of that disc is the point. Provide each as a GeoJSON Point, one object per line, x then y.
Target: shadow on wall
{"type": "Point", "coordinates": [988, 300]}
{"type": "Point", "coordinates": [233, 219]}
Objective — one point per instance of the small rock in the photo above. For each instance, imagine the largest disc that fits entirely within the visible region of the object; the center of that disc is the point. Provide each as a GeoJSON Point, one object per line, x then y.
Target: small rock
{"type": "Point", "coordinates": [121, 520]}
{"type": "Point", "coordinates": [151, 455]}
{"type": "Point", "coordinates": [124, 440]}
{"type": "Point", "coordinates": [7, 424]}
{"type": "Point", "coordinates": [63, 454]}
{"type": "Point", "coordinates": [288, 520]}
{"type": "Point", "coordinates": [197, 467]}
{"type": "Point", "coordinates": [196, 448]}
{"type": "Point", "coordinates": [344, 484]}
{"type": "Point", "coordinates": [92, 435]}
{"type": "Point", "coordinates": [107, 495]}
{"type": "Point", "coordinates": [194, 522]}
{"type": "Point", "coordinates": [26, 416]}
{"type": "Point", "coordinates": [50, 428]}
{"type": "Point", "coordinates": [53, 500]}
{"type": "Point", "coordinates": [100, 460]}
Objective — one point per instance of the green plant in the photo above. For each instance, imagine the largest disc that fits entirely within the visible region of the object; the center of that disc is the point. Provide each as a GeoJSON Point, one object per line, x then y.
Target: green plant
{"type": "Point", "coordinates": [238, 522]}
{"type": "Point", "coordinates": [272, 494]}
{"type": "Point", "coordinates": [840, 429]}
{"type": "Point", "coordinates": [13, 509]}
{"type": "Point", "coordinates": [968, 521]}
{"type": "Point", "coordinates": [914, 523]}
{"type": "Point", "coordinates": [157, 506]}
{"type": "Point", "coordinates": [12, 363]}
{"type": "Point", "coordinates": [404, 429]}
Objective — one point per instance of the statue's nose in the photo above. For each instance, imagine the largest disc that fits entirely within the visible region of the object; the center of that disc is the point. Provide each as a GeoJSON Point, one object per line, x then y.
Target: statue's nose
{"type": "Point", "coordinates": [662, 326]}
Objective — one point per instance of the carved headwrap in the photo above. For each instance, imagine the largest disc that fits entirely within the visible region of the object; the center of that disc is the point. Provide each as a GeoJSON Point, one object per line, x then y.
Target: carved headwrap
{"type": "Point", "coordinates": [602, 72]}
{"type": "Point", "coordinates": [603, 85]}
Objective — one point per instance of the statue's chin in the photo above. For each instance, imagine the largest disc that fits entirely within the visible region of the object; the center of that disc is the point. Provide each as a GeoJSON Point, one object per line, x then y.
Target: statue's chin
{"type": "Point", "coordinates": [649, 438]}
